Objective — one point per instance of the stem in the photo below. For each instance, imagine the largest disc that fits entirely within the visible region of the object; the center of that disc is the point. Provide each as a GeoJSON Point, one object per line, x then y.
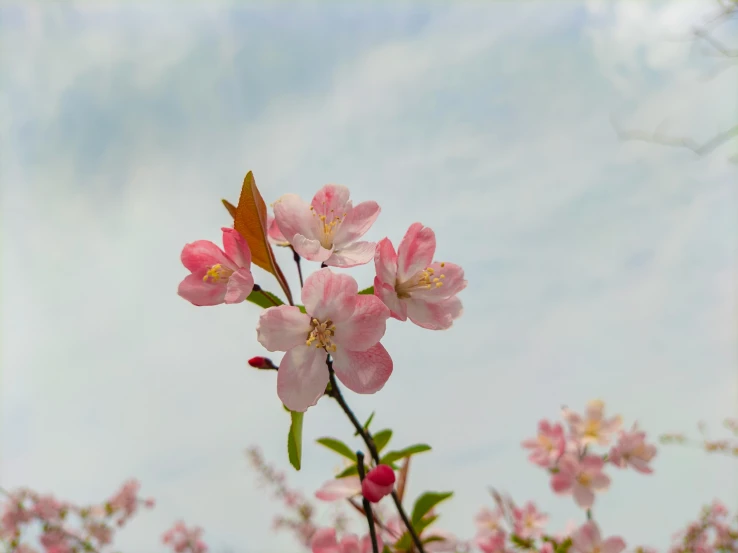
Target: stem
{"type": "Point", "coordinates": [296, 257]}
{"type": "Point", "coordinates": [589, 514]}
{"type": "Point", "coordinates": [367, 437]}
{"type": "Point", "coordinates": [367, 505]}
{"type": "Point", "coordinates": [257, 288]}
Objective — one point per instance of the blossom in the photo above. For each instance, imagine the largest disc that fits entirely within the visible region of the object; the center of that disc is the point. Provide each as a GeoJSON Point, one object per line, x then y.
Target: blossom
{"type": "Point", "coordinates": [379, 482]}
{"type": "Point", "coordinates": [328, 229]}
{"type": "Point", "coordinates": [47, 508]}
{"type": "Point", "coordinates": [184, 540]}
{"type": "Point", "coordinates": [548, 446]}
{"type": "Point", "coordinates": [443, 542]}
{"type": "Point", "coordinates": [632, 449]}
{"type": "Point", "coordinates": [324, 541]}
{"type": "Point", "coordinates": [217, 276]}
{"type": "Point", "coordinates": [339, 488]}
{"type": "Point", "coordinates": [588, 540]}
{"type": "Point", "coordinates": [491, 541]}
{"type": "Point", "coordinates": [274, 234]}
{"type": "Point", "coordinates": [528, 521]}
{"type": "Point", "coordinates": [413, 286]}
{"type": "Point", "coordinates": [582, 478]}
{"type": "Point", "coordinates": [593, 428]}
{"type": "Point", "coordinates": [338, 321]}
{"type": "Point", "coordinates": [487, 519]}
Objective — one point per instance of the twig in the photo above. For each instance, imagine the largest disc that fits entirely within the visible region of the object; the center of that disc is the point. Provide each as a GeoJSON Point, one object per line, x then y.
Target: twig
{"type": "Point", "coordinates": [296, 257]}
{"type": "Point", "coordinates": [367, 505]}
{"type": "Point", "coordinates": [258, 288]}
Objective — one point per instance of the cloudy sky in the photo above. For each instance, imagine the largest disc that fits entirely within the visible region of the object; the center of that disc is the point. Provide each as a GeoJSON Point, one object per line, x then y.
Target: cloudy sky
{"type": "Point", "coordinates": [596, 268]}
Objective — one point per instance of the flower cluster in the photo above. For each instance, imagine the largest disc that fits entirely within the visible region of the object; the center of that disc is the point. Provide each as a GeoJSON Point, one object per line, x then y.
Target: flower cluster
{"type": "Point", "coordinates": [184, 540]}
{"type": "Point", "coordinates": [712, 533]}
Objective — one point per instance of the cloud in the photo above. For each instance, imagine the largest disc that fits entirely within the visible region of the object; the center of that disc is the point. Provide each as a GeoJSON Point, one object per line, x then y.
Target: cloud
{"type": "Point", "coordinates": [595, 269]}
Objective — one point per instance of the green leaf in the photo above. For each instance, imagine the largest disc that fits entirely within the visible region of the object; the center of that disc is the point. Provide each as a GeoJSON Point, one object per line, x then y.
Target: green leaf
{"type": "Point", "coordinates": [426, 502]}
{"type": "Point", "coordinates": [424, 523]}
{"type": "Point", "coordinates": [382, 438]}
{"type": "Point", "coordinates": [405, 542]}
{"type": "Point", "coordinates": [386, 549]}
{"type": "Point", "coordinates": [337, 446]}
{"type": "Point", "coordinates": [368, 291]}
{"type": "Point", "coordinates": [367, 423]}
{"type": "Point", "coordinates": [564, 546]}
{"type": "Point", "coordinates": [392, 456]}
{"type": "Point", "coordinates": [301, 308]}
{"type": "Point", "coordinates": [260, 299]}
{"type": "Point", "coordinates": [520, 542]}
{"type": "Point", "coordinates": [350, 471]}
{"type": "Point", "coordinates": [294, 439]}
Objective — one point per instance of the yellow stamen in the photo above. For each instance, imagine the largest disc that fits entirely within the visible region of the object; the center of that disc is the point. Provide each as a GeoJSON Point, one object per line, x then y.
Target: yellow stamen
{"type": "Point", "coordinates": [321, 335]}
{"type": "Point", "coordinates": [217, 272]}
{"type": "Point", "coordinates": [424, 280]}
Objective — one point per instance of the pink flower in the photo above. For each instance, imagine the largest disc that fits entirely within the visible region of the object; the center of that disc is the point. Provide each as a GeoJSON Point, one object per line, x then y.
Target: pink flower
{"type": "Point", "coordinates": [487, 519]}
{"type": "Point", "coordinates": [445, 541]}
{"type": "Point", "coordinates": [413, 286]}
{"type": "Point", "coordinates": [582, 478]}
{"type": "Point", "coordinates": [324, 541]}
{"type": "Point", "coordinates": [184, 540]}
{"type": "Point", "coordinates": [101, 532]}
{"type": "Point", "coordinates": [47, 508]}
{"type": "Point", "coordinates": [338, 321]}
{"type": "Point", "coordinates": [274, 234]}
{"type": "Point", "coordinates": [328, 229]}
{"type": "Point", "coordinates": [217, 276]}
{"type": "Point", "coordinates": [548, 446]}
{"type": "Point", "coordinates": [587, 540]}
{"type": "Point", "coordinates": [593, 428]}
{"type": "Point", "coordinates": [14, 515]}
{"type": "Point", "coordinates": [379, 482]}
{"type": "Point", "coordinates": [339, 488]}
{"type": "Point", "coordinates": [547, 547]}
{"type": "Point", "coordinates": [529, 521]}
{"type": "Point", "coordinates": [54, 540]}
{"type": "Point", "coordinates": [633, 450]}
{"type": "Point", "coordinates": [491, 541]}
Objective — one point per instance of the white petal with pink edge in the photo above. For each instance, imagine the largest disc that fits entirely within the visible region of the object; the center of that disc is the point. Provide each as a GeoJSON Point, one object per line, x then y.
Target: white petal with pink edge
{"type": "Point", "coordinates": [328, 295]}
{"type": "Point", "coordinates": [282, 328]}
{"type": "Point", "coordinates": [363, 372]}
{"type": "Point", "coordinates": [302, 377]}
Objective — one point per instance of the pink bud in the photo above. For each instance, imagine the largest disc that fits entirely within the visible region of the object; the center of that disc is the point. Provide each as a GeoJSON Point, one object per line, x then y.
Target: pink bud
{"type": "Point", "coordinates": [261, 363]}
{"type": "Point", "coordinates": [379, 481]}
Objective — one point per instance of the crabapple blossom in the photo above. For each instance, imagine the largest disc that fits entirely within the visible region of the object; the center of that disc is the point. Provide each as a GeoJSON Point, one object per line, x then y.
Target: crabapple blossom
{"type": "Point", "coordinates": [274, 234]}
{"type": "Point", "coordinates": [415, 287]}
{"type": "Point", "coordinates": [588, 540]}
{"type": "Point", "coordinates": [528, 521]}
{"type": "Point", "coordinates": [632, 449]}
{"type": "Point", "coordinates": [324, 541]}
{"type": "Point", "coordinates": [327, 230]}
{"type": "Point", "coordinates": [184, 540]}
{"type": "Point", "coordinates": [548, 446]}
{"type": "Point", "coordinates": [338, 321]}
{"type": "Point", "coordinates": [487, 519]}
{"type": "Point", "coordinates": [379, 482]}
{"type": "Point", "coordinates": [491, 541]}
{"type": "Point", "coordinates": [593, 428]}
{"type": "Point", "coordinates": [339, 488]}
{"type": "Point", "coordinates": [217, 276]}
{"type": "Point", "coordinates": [580, 477]}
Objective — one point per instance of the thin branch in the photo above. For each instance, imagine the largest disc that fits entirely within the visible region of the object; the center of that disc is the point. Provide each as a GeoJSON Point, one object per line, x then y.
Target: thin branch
{"type": "Point", "coordinates": [258, 288]}
{"type": "Point", "coordinates": [367, 505]}
{"type": "Point", "coordinates": [296, 257]}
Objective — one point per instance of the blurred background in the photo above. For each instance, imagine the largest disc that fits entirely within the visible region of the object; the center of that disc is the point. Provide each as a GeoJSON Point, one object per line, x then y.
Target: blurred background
{"type": "Point", "coordinates": [597, 267]}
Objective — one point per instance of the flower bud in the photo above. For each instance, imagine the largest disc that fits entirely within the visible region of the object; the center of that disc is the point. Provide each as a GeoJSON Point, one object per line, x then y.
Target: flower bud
{"type": "Point", "coordinates": [262, 363]}
{"type": "Point", "coordinates": [379, 481]}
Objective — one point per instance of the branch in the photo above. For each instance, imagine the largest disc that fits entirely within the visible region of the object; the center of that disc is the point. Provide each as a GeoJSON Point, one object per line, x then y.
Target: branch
{"type": "Point", "coordinates": [366, 504]}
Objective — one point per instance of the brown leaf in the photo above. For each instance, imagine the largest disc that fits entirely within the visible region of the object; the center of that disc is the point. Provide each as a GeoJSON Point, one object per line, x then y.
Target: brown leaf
{"type": "Point", "coordinates": [230, 207]}
{"type": "Point", "coordinates": [402, 480]}
{"type": "Point", "coordinates": [250, 221]}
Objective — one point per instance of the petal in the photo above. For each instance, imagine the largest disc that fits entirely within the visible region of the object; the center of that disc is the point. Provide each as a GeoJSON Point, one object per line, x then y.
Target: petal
{"type": "Point", "coordinates": [328, 295]}
{"type": "Point", "coordinates": [273, 231]}
{"type": "Point", "coordinates": [331, 198]}
{"type": "Point", "coordinates": [591, 463]}
{"type": "Point", "coordinates": [386, 293]}
{"type": "Point", "coordinates": [202, 253]}
{"type": "Point", "coordinates": [201, 293]}
{"type": "Point", "coordinates": [600, 481]}
{"type": "Point", "coordinates": [357, 222]}
{"type": "Point", "coordinates": [239, 286]}
{"type": "Point", "coordinates": [282, 328]}
{"type": "Point", "coordinates": [452, 282]}
{"type": "Point", "coordinates": [561, 482]}
{"type": "Point", "coordinates": [434, 316]}
{"type": "Point", "coordinates": [339, 488]}
{"type": "Point", "coordinates": [583, 496]}
{"type": "Point", "coordinates": [366, 543]}
{"type": "Point", "coordinates": [363, 372]}
{"type": "Point", "coordinates": [613, 545]}
{"type": "Point", "coordinates": [366, 325]}
{"type": "Point", "coordinates": [416, 250]}
{"type": "Point", "coordinates": [352, 255]}
{"type": "Point", "coordinates": [385, 262]}
{"type": "Point", "coordinates": [310, 249]}
{"type": "Point", "coordinates": [586, 537]}
{"type": "Point", "coordinates": [293, 216]}
{"type": "Point", "coordinates": [350, 544]}
{"type": "Point", "coordinates": [236, 247]}
{"type": "Point", "coordinates": [302, 377]}
{"type": "Point", "coordinates": [324, 541]}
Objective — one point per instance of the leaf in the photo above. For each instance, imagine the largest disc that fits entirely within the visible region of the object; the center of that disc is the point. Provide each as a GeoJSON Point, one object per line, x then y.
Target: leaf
{"type": "Point", "coordinates": [230, 207]}
{"type": "Point", "coordinates": [368, 422]}
{"type": "Point", "coordinates": [337, 446]}
{"type": "Point", "coordinates": [392, 456]}
{"type": "Point", "coordinates": [367, 291]}
{"type": "Point", "coordinates": [381, 439]}
{"type": "Point", "coordinates": [426, 502]}
{"type": "Point", "coordinates": [386, 549]}
{"type": "Point", "coordinates": [350, 471]}
{"type": "Point", "coordinates": [294, 439]}
{"type": "Point", "coordinates": [300, 307]}
{"type": "Point", "coordinates": [520, 542]}
{"type": "Point", "coordinates": [405, 542]}
{"type": "Point", "coordinates": [251, 223]}
{"type": "Point", "coordinates": [259, 297]}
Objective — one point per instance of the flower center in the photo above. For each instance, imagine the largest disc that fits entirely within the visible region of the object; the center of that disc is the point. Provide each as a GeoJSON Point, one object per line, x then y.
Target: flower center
{"type": "Point", "coordinates": [328, 227]}
{"type": "Point", "coordinates": [422, 280]}
{"type": "Point", "coordinates": [545, 442]}
{"type": "Point", "coordinates": [592, 429]}
{"type": "Point", "coordinates": [321, 335]}
{"type": "Point", "coordinates": [217, 272]}
{"type": "Point", "coordinates": [584, 479]}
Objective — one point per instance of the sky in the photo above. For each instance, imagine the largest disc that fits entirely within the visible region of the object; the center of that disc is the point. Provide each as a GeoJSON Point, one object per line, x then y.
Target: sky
{"type": "Point", "coordinates": [597, 268]}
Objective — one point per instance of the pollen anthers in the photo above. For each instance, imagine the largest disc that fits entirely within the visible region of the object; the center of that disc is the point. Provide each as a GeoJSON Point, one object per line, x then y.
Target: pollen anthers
{"type": "Point", "coordinates": [217, 272]}
{"type": "Point", "coordinates": [321, 335]}
{"type": "Point", "coordinates": [328, 226]}
{"type": "Point", "coordinates": [424, 280]}
{"type": "Point", "coordinates": [584, 479]}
